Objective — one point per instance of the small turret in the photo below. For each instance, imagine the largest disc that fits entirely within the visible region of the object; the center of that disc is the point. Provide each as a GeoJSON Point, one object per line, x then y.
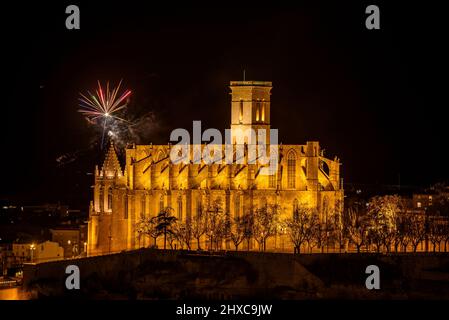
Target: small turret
{"type": "Point", "coordinates": [111, 166]}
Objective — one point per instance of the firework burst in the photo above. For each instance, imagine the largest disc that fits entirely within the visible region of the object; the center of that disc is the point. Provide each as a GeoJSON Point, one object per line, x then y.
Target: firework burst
{"type": "Point", "coordinates": [104, 105]}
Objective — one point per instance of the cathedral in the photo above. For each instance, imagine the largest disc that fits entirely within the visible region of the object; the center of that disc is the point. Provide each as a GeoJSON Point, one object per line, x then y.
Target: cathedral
{"type": "Point", "coordinates": [150, 181]}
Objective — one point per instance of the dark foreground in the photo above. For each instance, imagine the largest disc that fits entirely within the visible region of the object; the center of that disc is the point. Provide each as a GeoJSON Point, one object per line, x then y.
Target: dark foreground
{"type": "Point", "coordinates": [159, 274]}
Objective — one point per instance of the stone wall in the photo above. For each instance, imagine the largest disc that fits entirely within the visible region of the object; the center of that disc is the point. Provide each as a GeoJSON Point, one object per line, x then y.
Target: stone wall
{"type": "Point", "coordinates": [159, 274]}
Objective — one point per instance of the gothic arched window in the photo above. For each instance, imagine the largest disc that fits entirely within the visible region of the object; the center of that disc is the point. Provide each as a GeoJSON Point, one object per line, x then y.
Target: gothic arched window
{"type": "Point", "coordinates": [262, 112]}
{"type": "Point", "coordinates": [101, 198]}
{"type": "Point", "coordinates": [295, 209]}
{"type": "Point", "coordinates": [161, 204]}
{"type": "Point", "coordinates": [180, 209]}
{"type": "Point", "coordinates": [291, 170]}
{"type": "Point", "coordinates": [198, 206]}
{"type": "Point", "coordinates": [237, 206]}
{"type": "Point", "coordinates": [142, 206]}
{"type": "Point", "coordinates": [257, 111]}
{"type": "Point", "coordinates": [110, 199]}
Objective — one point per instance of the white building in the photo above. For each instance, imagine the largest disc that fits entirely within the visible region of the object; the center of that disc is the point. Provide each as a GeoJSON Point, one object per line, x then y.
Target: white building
{"type": "Point", "coordinates": [35, 253]}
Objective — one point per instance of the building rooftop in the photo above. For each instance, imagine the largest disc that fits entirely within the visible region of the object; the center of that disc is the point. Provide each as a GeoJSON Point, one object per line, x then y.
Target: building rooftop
{"type": "Point", "coordinates": [252, 83]}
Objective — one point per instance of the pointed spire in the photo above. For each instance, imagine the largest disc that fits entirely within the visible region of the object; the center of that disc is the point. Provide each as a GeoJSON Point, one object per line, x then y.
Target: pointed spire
{"type": "Point", "coordinates": [111, 165]}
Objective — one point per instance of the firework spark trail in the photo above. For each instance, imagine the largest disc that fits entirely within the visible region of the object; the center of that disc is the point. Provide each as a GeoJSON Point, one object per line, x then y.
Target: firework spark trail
{"type": "Point", "coordinates": [107, 114]}
{"type": "Point", "coordinates": [103, 105]}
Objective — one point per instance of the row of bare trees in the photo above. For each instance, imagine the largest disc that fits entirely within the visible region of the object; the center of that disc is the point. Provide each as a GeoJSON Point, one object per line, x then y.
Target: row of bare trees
{"type": "Point", "coordinates": [382, 225]}
{"type": "Point", "coordinates": [306, 227]}
{"type": "Point", "coordinates": [154, 227]}
{"type": "Point", "coordinates": [385, 224]}
{"type": "Point", "coordinates": [213, 225]}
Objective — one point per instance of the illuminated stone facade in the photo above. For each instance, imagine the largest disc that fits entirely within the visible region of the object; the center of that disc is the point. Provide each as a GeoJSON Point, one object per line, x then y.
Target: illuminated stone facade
{"type": "Point", "coordinates": [150, 181]}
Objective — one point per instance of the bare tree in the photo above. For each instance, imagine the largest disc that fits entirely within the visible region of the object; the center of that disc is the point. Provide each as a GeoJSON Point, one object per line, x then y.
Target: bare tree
{"type": "Point", "coordinates": [313, 230]}
{"type": "Point", "coordinates": [383, 212]}
{"type": "Point", "coordinates": [357, 226]}
{"type": "Point", "coordinates": [339, 208]}
{"type": "Point", "coordinates": [416, 230]}
{"type": "Point", "coordinates": [172, 237]}
{"type": "Point", "coordinates": [331, 230]}
{"type": "Point", "coordinates": [184, 233]}
{"type": "Point", "coordinates": [265, 224]}
{"type": "Point", "coordinates": [300, 228]}
{"type": "Point", "coordinates": [248, 230]}
{"type": "Point", "coordinates": [446, 234]}
{"type": "Point", "coordinates": [198, 226]}
{"type": "Point", "coordinates": [400, 237]}
{"type": "Point", "coordinates": [164, 223]}
{"type": "Point", "coordinates": [147, 226]}
{"type": "Point", "coordinates": [237, 231]}
{"type": "Point", "coordinates": [436, 232]}
{"type": "Point", "coordinates": [321, 235]}
{"type": "Point", "coordinates": [337, 225]}
{"type": "Point", "coordinates": [216, 225]}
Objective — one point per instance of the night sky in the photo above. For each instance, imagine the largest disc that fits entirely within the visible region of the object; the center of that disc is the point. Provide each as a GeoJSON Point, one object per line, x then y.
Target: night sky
{"type": "Point", "coordinates": [374, 98]}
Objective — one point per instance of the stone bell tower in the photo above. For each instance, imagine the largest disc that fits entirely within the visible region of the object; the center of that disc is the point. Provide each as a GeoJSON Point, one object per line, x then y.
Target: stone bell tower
{"type": "Point", "coordinates": [106, 210]}
{"type": "Point", "coordinates": [250, 109]}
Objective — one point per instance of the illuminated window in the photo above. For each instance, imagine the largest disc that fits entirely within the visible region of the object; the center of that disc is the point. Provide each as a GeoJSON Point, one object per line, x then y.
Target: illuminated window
{"type": "Point", "coordinates": [257, 110]}
{"type": "Point", "coordinates": [291, 170]}
{"type": "Point", "coordinates": [110, 199]}
{"type": "Point", "coordinates": [262, 115]}
{"type": "Point", "coordinates": [180, 209]}
{"type": "Point", "coordinates": [241, 111]}
{"type": "Point", "coordinates": [237, 206]}
{"type": "Point", "coordinates": [418, 204]}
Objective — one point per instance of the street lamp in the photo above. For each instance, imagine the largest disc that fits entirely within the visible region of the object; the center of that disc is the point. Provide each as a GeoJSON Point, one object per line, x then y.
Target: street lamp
{"type": "Point", "coordinates": [70, 247]}
{"type": "Point", "coordinates": [32, 248]}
